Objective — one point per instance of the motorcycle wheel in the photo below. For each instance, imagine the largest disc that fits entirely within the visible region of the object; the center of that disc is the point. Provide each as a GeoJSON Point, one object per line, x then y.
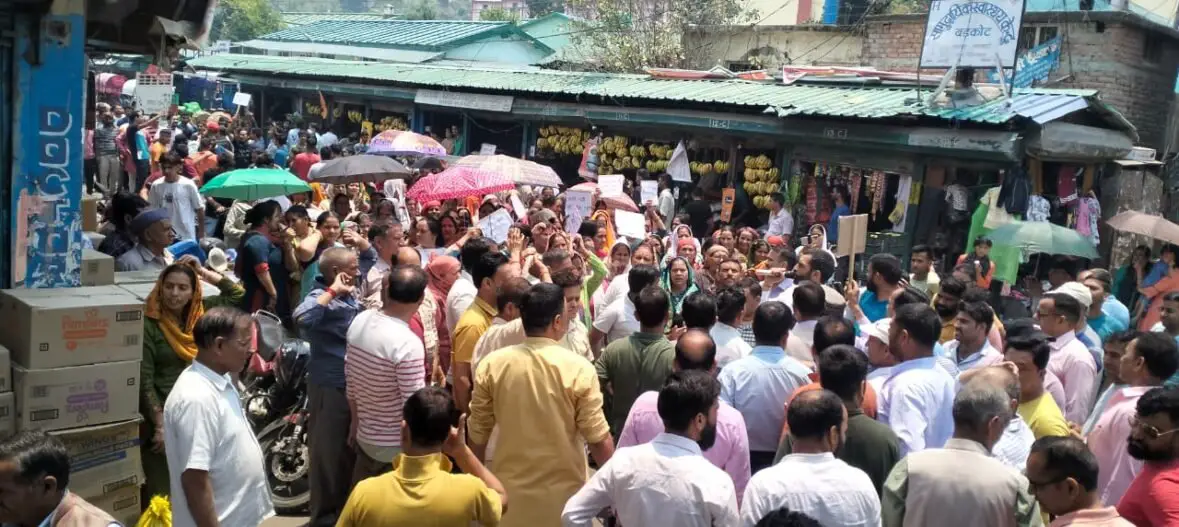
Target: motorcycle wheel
{"type": "Point", "coordinates": [286, 475]}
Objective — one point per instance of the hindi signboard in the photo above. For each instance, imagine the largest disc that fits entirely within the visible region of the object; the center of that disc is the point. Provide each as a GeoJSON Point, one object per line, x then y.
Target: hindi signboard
{"type": "Point", "coordinates": [972, 33]}
{"type": "Point", "coordinates": [1034, 65]}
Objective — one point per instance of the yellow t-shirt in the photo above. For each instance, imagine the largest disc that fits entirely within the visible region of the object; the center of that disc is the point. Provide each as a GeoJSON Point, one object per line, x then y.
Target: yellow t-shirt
{"type": "Point", "coordinates": [421, 491]}
{"type": "Point", "coordinates": [472, 325]}
{"type": "Point", "coordinates": [157, 151]}
{"type": "Point", "coordinates": [1044, 417]}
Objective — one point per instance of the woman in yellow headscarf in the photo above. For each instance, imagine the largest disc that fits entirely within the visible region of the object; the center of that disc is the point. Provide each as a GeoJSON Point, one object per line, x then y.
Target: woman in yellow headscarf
{"type": "Point", "coordinates": [171, 311]}
{"type": "Point", "coordinates": [605, 223]}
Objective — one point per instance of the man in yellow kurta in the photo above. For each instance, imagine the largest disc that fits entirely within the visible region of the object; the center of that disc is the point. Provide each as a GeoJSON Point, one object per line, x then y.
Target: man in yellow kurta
{"type": "Point", "coordinates": [548, 405]}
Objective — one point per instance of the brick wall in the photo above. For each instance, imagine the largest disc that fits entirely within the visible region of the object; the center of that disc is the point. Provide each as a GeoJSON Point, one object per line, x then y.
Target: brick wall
{"type": "Point", "coordinates": [1107, 54]}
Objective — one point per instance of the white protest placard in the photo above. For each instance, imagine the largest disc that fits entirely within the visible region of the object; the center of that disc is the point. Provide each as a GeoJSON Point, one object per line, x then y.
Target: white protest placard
{"type": "Point", "coordinates": [972, 34]}
{"type": "Point", "coordinates": [577, 208]}
{"type": "Point", "coordinates": [519, 208]}
{"type": "Point", "coordinates": [630, 224]}
{"type": "Point", "coordinates": [487, 149]}
{"type": "Point", "coordinates": [678, 167]}
{"type": "Point", "coordinates": [497, 225]}
{"type": "Point", "coordinates": [153, 93]}
{"type": "Point", "coordinates": [610, 185]}
{"type": "Point", "coordinates": [241, 99]}
{"type": "Point", "coordinates": [649, 191]}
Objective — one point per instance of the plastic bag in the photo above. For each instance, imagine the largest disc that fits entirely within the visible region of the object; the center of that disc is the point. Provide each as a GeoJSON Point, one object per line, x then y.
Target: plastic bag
{"type": "Point", "coordinates": [158, 513]}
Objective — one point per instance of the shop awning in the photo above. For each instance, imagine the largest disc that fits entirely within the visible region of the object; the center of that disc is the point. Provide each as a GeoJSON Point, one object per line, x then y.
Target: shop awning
{"type": "Point", "coordinates": [1076, 142]}
{"type": "Point", "coordinates": [382, 54]}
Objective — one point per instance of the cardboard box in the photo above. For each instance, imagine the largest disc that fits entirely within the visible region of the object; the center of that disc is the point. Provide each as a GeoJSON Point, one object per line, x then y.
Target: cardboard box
{"type": "Point", "coordinates": [104, 458]}
{"type": "Point", "coordinates": [90, 213]}
{"type": "Point", "coordinates": [141, 291]}
{"type": "Point", "coordinates": [5, 370]}
{"type": "Point", "coordinates": [54, 328]}
{"type": "Point", "coordinates": [136, 277]}
{"type": "Point", "coordinates": [97, 268]}
{"type": "Point", "coordinates": [123, 504]}
{"type": "Point", "coordinates": [7, 414]}
{"type": "Point", "coordinates": [95, 238]}
{"type": "Point", "coordinates": [63, 398]}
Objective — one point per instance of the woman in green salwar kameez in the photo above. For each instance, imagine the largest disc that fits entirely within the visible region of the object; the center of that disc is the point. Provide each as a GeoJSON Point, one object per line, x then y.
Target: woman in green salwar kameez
{"type": "Point", "coordinates": [171, 311]}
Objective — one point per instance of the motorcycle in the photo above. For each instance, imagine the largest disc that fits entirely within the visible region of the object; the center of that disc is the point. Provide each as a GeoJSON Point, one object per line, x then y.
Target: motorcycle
{"type": "Point", "coordinates": [276, 403]}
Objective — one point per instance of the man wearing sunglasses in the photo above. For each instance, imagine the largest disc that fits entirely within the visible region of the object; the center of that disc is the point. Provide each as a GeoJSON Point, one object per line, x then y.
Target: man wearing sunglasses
{"type": "Point", "coordinates": [1153, 497]}
{"type": "Point", "coordinates": [1150, 359]}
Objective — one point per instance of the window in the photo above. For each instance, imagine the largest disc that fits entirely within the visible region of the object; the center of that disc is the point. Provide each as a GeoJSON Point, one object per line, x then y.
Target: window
{"type": "Point", "coordinates": [1032, 36]}
{"type": "Point", "coordinates": [1152, 49]}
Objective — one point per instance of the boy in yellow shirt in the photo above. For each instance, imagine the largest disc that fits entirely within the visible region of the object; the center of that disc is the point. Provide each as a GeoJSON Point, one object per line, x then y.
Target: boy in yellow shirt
{"type": "Point", "coordinates": [421, 490]}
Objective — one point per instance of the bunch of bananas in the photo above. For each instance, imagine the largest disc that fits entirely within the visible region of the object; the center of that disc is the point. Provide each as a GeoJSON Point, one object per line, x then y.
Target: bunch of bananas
{"type": "Point", "coordinates": [761, 180]}
{"type": "Point", "coordinates": [561, 140]}
{"type": "Point", "coordinates": [355, 116]}
{"type": "Point", "coordinates": [617, 153]}
{"type": "Point", "coordinates": [391, 123]}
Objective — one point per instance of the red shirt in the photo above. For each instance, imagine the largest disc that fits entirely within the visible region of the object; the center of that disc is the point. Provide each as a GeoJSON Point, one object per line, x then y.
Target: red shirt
{"type": "Point", "coordinates": [302, 164]}
{"type": "Point", "coordinates": [1153, 496]}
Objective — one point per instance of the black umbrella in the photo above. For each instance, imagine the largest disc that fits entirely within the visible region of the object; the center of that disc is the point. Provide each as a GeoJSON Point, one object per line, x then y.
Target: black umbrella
{"type": "Point", "coordinates": [428, 163]}
{"type": "Point", "coordinates": [360, 169]}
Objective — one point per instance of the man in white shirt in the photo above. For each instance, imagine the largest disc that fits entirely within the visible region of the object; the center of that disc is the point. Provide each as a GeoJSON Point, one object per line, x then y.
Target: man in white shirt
{"type": "Point", "coordinates": [180, 197]}
{"type": "Point", "coordinates": [918, 397]}
{"type": "Point", "coordinates": [810, 303]}
{"type": "Point", "coordinates": [811, 480]}
{"type": "Point", "coordinates": [383, 366]}
{"type": "Point", "coordinates": [923, 276]}
{"type": "Point", "coordinates": [758, 385]}
{"type": "Point", "coordinates": [666, 199]}
{"type": "Point", "coordinates": [666, 481]}
{"type": "Point", "coordinates": [618, 320]}
{"type": "Point", "coordinates": [462, 293]}
{"type": "Point", "coordinates": [971, 349]}
{"type": "Point", "coordinates": [781, 222]}
{"type": "Point", "coordinates": [217, 472]}
{"type": "Point", "coordinates": [730, 304]}
{"type": "Point", "coordinates": [328, 139]}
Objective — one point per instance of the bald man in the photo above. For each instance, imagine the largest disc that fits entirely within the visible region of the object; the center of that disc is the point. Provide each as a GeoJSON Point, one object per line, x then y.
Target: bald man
{"type": "Point", "coordinates": [407, 255]}
{"type": "Point", "coordinates": [323, 319]}
{"type": "Point", "coordinates": [1015, 444]}
{"type": "Point", "coordinates": [695, 350]}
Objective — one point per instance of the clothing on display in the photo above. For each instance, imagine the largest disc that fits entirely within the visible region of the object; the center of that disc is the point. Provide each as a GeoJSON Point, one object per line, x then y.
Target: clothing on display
{"type": "Point", "coordinates": [1005, 259]}
{"type": "Point", "coordinates": [1038, 209]}
{"type": "Point", "coordinates": [1088, 214]}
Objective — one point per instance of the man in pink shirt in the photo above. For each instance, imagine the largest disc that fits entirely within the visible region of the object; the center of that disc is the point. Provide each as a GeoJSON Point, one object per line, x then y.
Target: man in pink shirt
{"type": "Point", "coordinates": [1070, 361]}
{"type": "Point", "coordinates": [1150, 359]}
{"type": "Point", "coordinates": [1062, 475]}
{"type": "Point", "coordinates": [695, 350]}
{"type": "Point", "coordinates": [1153, 497]}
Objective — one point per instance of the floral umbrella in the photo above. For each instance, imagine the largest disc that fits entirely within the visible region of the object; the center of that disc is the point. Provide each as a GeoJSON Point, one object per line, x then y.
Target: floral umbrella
{"type": "Point", "coordinates": [522, 171]}
{"type": "Point", "coordinates": [399, 143]}
{"type": "Point", "coordinates": [623, 202]}
{"type": "Point", "coordinates": [458, 182]}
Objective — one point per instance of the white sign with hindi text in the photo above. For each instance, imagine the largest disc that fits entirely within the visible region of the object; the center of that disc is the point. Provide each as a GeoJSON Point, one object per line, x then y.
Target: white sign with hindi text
{"type": "Point", "coordinates": [649, 192]}
{"type": "Point", "coordinates": [972, 33]}
{"type": "Point", "coordinates": [577, 208]}
{"type": "Point", "coordinates": [630, 224]}
{"type": "Point", "coordinates": [610, 185]}
{"type": "Point", "coordinates": [497, 225]}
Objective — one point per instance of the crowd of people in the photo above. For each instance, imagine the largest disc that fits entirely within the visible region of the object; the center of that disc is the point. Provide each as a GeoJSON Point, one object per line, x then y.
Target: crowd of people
{"type": "Point", "coordinates": [712, 374]}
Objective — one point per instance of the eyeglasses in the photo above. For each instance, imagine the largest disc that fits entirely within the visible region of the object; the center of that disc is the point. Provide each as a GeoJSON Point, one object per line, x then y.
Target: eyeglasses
{"type": "Point", "coordinates": [1149, 431]}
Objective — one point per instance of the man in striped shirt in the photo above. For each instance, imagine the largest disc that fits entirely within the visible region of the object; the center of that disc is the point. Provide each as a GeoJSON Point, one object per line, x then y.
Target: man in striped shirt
{"type": "Point", "coordinates": [383, 367]}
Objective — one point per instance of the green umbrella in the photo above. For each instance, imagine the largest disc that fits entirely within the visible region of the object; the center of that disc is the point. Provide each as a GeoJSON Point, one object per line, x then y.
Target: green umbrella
{"type": "Point", "coordinates": [249, 184]}
{"type": "Point", "coordinates": [1043, 237]}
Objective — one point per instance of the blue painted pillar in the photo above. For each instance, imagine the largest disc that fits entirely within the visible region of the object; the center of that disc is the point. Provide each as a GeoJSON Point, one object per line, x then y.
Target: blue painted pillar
{"type": "Point", "coordinates": [48, 122]}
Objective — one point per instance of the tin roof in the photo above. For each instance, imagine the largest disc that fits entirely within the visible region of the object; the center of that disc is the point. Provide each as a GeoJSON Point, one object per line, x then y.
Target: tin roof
{"type": "Point", "coordinates": [863, 102]}
{"type": "Point", "coordinates": [426, 35]}
{"type": "Point", "coordinates": [304, 18]}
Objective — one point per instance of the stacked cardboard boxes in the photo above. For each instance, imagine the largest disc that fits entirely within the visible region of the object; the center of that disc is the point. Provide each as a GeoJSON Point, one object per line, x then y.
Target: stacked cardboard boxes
{"type": "Point", "coordinates": [75, 373]}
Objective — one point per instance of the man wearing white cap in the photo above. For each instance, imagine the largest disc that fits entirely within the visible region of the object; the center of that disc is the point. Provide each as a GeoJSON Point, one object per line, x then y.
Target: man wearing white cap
{"type": "Point", "coordinates": [1085, 334]}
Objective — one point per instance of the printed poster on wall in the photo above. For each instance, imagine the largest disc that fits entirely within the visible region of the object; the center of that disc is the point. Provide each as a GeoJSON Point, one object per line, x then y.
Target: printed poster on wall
{"type": "Point", "coordinates": [1033, 66]}
{"type": "Point", "coordinates": [972, 33]}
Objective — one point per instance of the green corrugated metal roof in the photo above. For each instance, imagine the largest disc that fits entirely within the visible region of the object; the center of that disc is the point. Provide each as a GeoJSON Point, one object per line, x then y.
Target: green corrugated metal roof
{"type": "Point", "coordinates": [416, 34]}
{"type": "Point", "coordinates": [302, 19]}
{"type": "Point", "coordinates": [812, 100]}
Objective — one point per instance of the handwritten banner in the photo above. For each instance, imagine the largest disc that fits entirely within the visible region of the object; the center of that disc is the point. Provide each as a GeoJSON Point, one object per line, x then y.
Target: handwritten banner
{"type": "Point", "coordinates": [577, 208]}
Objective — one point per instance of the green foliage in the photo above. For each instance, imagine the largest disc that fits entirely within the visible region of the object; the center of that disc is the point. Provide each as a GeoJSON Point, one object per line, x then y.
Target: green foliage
{"type": "Point", "coordinates": [628, 36]}
{"type": "Point", "coordinates": [906, 7]}
{"type": "Point", "coordinates": [241, 20]}
{"type": "Point", "coordinates": [421, 10]}
{"type": "Point", "coordinates": [498, 14]}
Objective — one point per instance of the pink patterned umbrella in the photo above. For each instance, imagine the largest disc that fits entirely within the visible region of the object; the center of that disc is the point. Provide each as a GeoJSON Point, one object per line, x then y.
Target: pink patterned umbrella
{"type": "Point", "coordinates": [522, 171]}
{"type": "Point", "coordinates": [399, 143]}
{"type": "Point", "coordinates": [614, 202]}
{"type": "Point", "coordinates": [458, 182]}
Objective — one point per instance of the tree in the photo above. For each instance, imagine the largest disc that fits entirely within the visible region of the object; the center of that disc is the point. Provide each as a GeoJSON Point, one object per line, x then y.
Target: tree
{"type": "Point", "coordinates": [421, 10]}
{"type": "Point", "coordinates": [498, 14]}
{"type": "Point", "coordinates": [632, 35]}
{"type": "Point", "coordinates": [242, 20]}
{"type": "Point", "coordinates": [539, 8]}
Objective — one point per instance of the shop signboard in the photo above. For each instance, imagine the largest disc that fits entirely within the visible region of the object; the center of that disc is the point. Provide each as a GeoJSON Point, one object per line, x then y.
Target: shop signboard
{"type": "Point", "coordinates": [1033, 66]}
{"type": "Point", "coordinates": [972, 34]}
{"type": "Point", "coordinates": [470, 101]}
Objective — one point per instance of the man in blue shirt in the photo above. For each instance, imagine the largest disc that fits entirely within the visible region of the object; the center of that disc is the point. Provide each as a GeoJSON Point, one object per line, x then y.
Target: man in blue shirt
{"type": "Point", "coordinates": [842, 200]}
{"type": "Point", "coordinates": [1099, 318]}
{"type": "Point", "coordinates": [884, 278]}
